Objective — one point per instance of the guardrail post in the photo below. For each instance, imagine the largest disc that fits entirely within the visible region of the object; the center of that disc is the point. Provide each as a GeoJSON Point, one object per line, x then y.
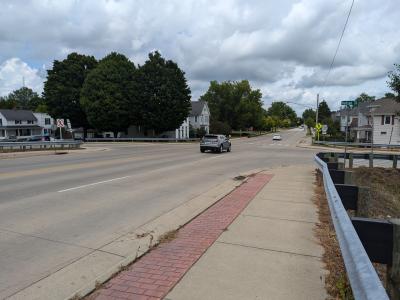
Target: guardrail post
{"type": "Point", "coordinates": [363, 201]}
{"type": "Point", "coordinates": [393, 278]}
{"type": "Point", "coordinates": [371, 160]}
{"type": "Point", "coordinates": [350, 160]}
{"type": "Point", "coordinates": [394, 161]}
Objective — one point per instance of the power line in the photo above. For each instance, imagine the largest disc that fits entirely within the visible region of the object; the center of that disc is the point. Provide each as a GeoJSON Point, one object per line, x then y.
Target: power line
{"type": "Point", "coordinates": [338, 46]}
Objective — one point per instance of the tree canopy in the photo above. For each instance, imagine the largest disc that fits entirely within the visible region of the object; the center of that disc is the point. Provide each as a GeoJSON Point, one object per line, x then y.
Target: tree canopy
{"type": "Point", "coordinates": [324, 112]}
{"type": "Point", "coordinates": [23, 98]}
{"type": "Point", "coordinates": [283, 113]}
{"type": "Point", "coordinates": [394, 81]}
{"type": "Point", "coordinates": [108, 95]}
{"type": "Point", "coordinates": [235, 103]}
{"type": "Point", "coordinates": [364, 98]}
{"type": "Point", "coordinates": [63, 86]}
{"type": "Point", "coordinates": [164, 98]}
{"type": "Point", "coordinates": [308, 113]}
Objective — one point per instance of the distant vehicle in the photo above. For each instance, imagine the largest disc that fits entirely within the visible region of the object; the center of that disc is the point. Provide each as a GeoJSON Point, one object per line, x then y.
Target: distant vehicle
{"type": "Point", "coordinates": [46, 138]}
{"type": "Point", "coordinates": [10, 139]}
{"type": "Point", "coordinates": [215, 143]}
{"type": "Point", "coordinates": [277, 137]}
{"type": "Point", "coordinates": [34, 138]}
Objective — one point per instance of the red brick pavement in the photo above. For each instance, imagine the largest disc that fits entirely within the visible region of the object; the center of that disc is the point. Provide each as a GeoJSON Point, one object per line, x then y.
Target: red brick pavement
{"type": "Point", "coordinates": [157, 272]}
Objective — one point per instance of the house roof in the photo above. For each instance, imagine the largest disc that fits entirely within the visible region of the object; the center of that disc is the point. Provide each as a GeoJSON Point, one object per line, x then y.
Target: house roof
{"type": "Point", "coordinates": [197, 108]}
{"type": "Point", "coordinates": [387, 106]}
{"type": "Point", "coordinates": [18, 114]}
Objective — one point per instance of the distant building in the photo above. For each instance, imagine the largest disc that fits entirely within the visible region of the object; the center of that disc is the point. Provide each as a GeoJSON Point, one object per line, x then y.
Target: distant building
{"type": "Point", "coordinates": [46, 123]}
{"type": "Point", "coordinates": [386, 121]}
{"type": "Point", "coordinates": [384, 118]}
{"type": "Point", "coordinates": [199, 116]}
{"type": "Point", "coordinates": [21, 124]}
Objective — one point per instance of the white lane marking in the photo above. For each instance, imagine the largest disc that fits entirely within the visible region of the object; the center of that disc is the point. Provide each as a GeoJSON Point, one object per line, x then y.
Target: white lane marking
{"type": "Point", "coordinates": [91, 184]}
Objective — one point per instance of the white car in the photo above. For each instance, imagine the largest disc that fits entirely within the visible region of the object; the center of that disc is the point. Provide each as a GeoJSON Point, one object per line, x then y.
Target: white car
{"type": "Point", "coordinates": [277, 137]}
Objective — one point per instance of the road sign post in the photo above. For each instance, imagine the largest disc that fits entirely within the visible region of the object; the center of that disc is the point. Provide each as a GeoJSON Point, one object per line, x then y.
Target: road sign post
{"type": "Point", "coordinates": [318, 128]}
{"type": "Point", "coordinates": [60, 124]}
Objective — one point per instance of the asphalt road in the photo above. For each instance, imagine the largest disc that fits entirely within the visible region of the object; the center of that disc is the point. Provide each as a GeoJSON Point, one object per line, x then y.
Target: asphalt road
{"type": "Point", "coordinates": [56, 209]}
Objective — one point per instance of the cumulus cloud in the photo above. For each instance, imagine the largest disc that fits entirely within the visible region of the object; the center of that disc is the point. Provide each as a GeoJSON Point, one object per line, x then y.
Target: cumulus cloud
{"type": "Point", "coordinates": [284, 48]}
{"type": "Point", "coordinates": [14, 73]}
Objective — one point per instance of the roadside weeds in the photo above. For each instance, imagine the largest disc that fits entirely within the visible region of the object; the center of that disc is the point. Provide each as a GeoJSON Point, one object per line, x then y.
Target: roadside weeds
{"type": "Point", "coordinates": [336, 281]}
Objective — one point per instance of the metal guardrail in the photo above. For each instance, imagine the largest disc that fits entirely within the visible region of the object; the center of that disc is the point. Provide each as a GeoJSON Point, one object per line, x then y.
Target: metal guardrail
{"type": "Point", "coordinates": [61, 144]}
{"type": "Point", "coordinates": [363, 278]}
{"type": "Point", "coordinates": [365, 145]}
{"type": "Point", "coordinates": [147, 139]}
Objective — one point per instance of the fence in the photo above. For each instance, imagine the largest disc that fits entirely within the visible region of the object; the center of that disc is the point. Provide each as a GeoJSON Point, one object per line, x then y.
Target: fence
{"type": "Point", "coordinates": [145, 139]}
{"type": "Point", "coordinates": [362, 240]}
{"type": "Point", "coordinates": [40, 145]}
{"type": "Point", "coordinates": [364, 145]}
{"type": "Point", "coordinates": [368, 156]}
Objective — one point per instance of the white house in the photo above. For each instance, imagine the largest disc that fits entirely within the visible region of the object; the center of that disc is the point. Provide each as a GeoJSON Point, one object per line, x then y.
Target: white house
{"type": "Point", "coordinates": [199, 116]}
{"type": "Point", "coordinates": [378, 119]}
{"type": "Point", "coordinates": [18, 124]}
{"type": "Point", "coordinates": [386, 118]}
{"type": "Point", "coordinates": [46, 123]}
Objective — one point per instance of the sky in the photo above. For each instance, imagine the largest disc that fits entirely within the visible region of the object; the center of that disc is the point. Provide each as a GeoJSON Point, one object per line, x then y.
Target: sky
{"type": "Point", "coordinates": [284, 48]}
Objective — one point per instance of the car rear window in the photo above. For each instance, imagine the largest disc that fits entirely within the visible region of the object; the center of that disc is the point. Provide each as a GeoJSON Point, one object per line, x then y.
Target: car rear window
{"type": "Point", "coordinates": [211, 137]}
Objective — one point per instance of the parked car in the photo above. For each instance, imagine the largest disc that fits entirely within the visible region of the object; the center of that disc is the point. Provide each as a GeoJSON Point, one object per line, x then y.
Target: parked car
{"type": "Point", "coordinates": [34, 138]}
{"type": "Point", "coordinates": [10, 139]}
{"type": "Point", "coordinates": [215, 143]}
{"type": "Point", "coordinates": [277, 137]}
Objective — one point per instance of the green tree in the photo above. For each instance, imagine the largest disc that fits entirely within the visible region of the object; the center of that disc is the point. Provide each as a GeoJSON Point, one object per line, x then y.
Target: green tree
{"type": "Point", "coordinates": [390, 95]}
{"type": "Point", "coordinates": [63, 86]}
{"type": "Point", "coordinates": [324, 112]}
{"type": "Point", "coordinates": [6, 103]}
{"type": "Point", "coordinates": [23, 98]}
{"type": "Point", "coordinates": [364, 98]}
{"type": "Point", "coordinates": [218, 127]}
{"type": "Point", "coordinates": [235, 103]}
{"type": "Point", "coordinates": [281, 111]}
{"type": "Point", "coordinates": [394, 81]}
{"type": "Point", "coordinates": [310, 123]}
{"type": "Point", "coordinates": [108, 95]}
{"type": "Point", "coordinates": [164, 94]}
{"type": "Point", "coordinates": [308, 113]}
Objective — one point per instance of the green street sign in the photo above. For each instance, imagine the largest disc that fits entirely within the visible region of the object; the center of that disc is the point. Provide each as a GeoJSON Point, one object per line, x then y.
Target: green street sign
{"type": "Point", "coordinates": [349, 103]}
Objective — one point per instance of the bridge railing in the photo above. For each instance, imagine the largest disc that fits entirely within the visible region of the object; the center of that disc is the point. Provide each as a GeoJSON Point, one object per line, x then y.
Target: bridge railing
{"type": "Point", "coordinates": [363, 278]}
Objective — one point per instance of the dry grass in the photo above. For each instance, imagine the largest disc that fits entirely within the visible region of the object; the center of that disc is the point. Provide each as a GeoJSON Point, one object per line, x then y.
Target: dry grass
{"type": "Point", "coordinates": [336, 282]}
{"type": "Point", "coordinates": [384, 185]}
{"type": "Point", "coordinates": [168, 236]}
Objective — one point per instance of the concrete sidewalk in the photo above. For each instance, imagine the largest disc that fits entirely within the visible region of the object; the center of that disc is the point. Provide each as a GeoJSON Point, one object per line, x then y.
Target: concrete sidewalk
{"type": "Point", "coordinates": [268, 252]}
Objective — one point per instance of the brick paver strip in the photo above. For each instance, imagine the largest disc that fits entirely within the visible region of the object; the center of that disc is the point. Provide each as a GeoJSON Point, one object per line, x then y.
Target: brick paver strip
{"type": "Point", "coordinates": [157, 272]}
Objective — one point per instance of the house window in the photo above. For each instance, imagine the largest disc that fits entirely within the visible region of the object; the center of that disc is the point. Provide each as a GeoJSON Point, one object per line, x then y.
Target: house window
{"type": "Point", "coordinates": [1, 132]}
{"type": "Point", "coordinates": [387, 120]}
{"type": "Point", "coordinates": [195, 118]}
{"type": "Point", "coordinates": [383, 132]}
{"type": "Point", "coordinates": [47, 121]}
{"type": "Point", "coordinates": [17, 121]}
{"type": "Point", "coordinates": [30, 122]}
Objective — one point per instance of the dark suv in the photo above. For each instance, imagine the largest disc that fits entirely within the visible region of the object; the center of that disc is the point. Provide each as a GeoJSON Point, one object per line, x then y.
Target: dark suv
{"type": "Point", "coordinates": [215, 143]}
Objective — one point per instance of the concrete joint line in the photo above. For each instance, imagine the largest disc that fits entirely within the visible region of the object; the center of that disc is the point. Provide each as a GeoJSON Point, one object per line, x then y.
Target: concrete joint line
{"type": "Point", "coordinates": [281, 219]}
{"type": "Point", "coordinates": [270, 250]}
{"type": "Point", "coordinates": [58, 242]}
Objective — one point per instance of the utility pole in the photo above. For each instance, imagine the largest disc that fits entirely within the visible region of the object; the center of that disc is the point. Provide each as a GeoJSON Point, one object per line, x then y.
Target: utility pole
{"type": "Point", "coordinates": [316, 111]}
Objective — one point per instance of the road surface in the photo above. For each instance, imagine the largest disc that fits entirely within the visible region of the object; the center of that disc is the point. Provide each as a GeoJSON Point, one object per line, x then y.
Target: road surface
{"type": "Point", "coordinates": [56, 209]}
